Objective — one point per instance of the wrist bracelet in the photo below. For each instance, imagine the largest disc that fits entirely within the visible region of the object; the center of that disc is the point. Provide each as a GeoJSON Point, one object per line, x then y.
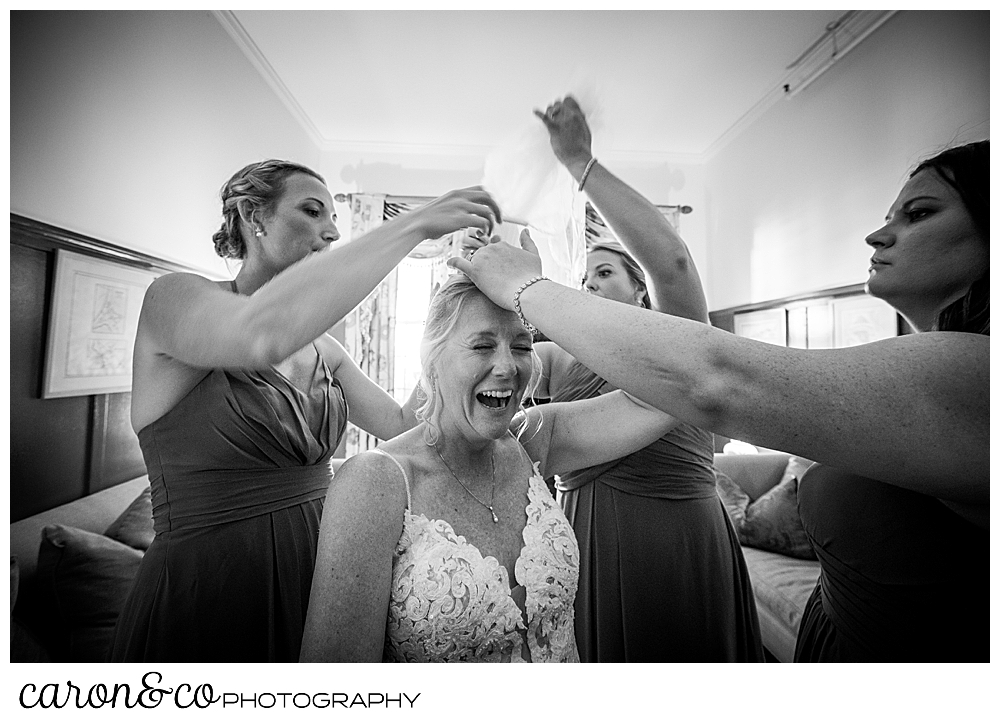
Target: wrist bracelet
{"type": "Point", "coordinates": [517, 302]}
{"type": "Point", "coordinates": [586, 172]}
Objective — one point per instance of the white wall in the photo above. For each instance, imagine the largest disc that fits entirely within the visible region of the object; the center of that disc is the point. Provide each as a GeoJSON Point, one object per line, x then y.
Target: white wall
{"type": "Point", "coordinates": [403, 174]}
{"type": "Point", "coordinates": [791, 199]}
{"type": "Point", "coordinates": [124, 125]}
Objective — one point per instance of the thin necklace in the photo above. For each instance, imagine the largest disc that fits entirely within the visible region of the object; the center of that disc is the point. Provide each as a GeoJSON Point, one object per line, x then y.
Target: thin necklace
{"type": "Point", "coordinates": [493, 492]}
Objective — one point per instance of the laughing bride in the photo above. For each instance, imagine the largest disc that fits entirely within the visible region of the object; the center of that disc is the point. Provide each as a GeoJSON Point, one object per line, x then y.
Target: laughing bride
{"type": "Point", "coordinates": [444, 544]}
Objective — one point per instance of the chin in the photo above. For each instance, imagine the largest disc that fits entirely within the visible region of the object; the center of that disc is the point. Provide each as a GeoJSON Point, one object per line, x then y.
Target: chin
{"type": "Point", "coordinates": [874, 287]}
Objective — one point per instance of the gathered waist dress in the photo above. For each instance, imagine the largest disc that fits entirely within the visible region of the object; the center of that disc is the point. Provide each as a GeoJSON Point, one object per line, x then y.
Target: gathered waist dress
{"type": "Point", "coordinates": [238, 472]}
{"type": "Point", "coordinates": [903, 577]}
{"type": "Point", "coordinates": [662, 574]}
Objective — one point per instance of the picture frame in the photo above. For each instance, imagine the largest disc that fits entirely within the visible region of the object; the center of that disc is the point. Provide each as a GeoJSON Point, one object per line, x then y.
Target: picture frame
{"type": "Point", "coordinates": [92, 325]}
{"type": "Point", "coordinates": [767, 325]}
{"type": "Point", "coordinates": [861, 320]}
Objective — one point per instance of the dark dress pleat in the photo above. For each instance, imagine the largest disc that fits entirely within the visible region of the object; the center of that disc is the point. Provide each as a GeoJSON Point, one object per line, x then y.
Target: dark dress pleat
{"type": "Point", "coordinates": [239, 471]}
{"type": "Point", "coordinates": [662, 574]}
{"type": "Point", "coordinates": [903, 578]}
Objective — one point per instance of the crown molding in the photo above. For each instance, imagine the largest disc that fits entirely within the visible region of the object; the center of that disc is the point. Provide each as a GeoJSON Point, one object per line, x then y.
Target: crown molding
{"type": "Point", "coordinates": [238, 33]}
{"type": "Point", "coordinates": [853, 27]}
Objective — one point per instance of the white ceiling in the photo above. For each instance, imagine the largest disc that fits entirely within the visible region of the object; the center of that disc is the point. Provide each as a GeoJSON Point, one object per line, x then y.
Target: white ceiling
{"type": "Point", "coordinates": [666, 82]}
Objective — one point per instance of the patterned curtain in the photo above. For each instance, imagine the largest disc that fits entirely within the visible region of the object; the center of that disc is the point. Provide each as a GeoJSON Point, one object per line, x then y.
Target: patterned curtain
{"type": "Point", "coordinates": [369, 330]}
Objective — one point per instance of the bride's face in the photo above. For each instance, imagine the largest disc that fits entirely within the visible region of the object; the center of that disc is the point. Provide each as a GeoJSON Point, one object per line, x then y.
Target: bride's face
{"type": "Point", "coordinates": [483, 371]}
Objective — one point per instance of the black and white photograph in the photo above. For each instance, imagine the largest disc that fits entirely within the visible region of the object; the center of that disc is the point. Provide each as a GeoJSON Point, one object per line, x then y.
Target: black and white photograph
{"type": "Point", "coordinates": [543, 334]}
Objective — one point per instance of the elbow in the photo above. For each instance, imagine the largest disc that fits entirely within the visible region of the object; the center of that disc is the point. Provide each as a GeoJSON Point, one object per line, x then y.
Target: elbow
{"type": "Point", "coordinates": [714, 393]}
{"type": "Point", "coordinates": [710, 400]}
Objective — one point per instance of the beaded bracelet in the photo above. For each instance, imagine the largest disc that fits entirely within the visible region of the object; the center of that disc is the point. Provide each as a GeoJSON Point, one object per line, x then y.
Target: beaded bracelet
{"type": "Point", "coordinates": [517, 302]}
{"type": "Point", "coordinates": [586, 171]}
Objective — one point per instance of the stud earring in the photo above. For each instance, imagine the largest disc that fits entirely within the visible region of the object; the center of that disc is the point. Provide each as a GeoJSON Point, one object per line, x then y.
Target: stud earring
{"type": "Point", "coordinates": [258, 232]}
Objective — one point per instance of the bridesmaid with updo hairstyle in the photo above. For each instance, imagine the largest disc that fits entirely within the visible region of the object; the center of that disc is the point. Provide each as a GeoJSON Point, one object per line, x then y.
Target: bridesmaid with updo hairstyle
{"type": "Point", "coordinates": [239, 400]}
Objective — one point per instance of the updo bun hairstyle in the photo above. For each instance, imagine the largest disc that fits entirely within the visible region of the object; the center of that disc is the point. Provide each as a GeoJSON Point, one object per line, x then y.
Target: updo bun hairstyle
{"type": "Point", "coordinates": [256, 188]}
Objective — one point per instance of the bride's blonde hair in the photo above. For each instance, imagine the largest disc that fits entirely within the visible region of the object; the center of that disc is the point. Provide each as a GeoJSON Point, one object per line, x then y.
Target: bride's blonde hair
{"type": "Point", "coordinates": [442, 316]}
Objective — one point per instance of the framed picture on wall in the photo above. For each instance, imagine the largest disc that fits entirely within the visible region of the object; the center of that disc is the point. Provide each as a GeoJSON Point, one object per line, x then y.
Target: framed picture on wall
{"type": "Point", "coordinates": [862, 319]}
{"type": "Point", "coordinates": [768, 325]}
{"type": "Point", "coordinates": [93, 320]}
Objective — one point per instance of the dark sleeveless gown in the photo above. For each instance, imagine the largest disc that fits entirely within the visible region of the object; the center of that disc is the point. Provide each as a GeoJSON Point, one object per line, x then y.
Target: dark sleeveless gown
{"type": "Point", "coordinates": [662, 574]}
{"type": "Point", "coordinates": [239, 470]}
{"type": "Point", "coordinates": [903, 578]}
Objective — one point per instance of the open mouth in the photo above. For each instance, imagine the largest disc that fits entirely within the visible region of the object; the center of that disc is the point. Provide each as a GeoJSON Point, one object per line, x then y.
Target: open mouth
{"type": "Point", "coordinates": [495, 399]}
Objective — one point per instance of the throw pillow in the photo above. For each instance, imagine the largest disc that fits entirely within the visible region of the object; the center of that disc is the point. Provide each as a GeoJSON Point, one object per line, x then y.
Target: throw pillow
{"type": "Point", "coordinates": [134, 526]}
{"type": "Point", "coordinates": [772, 522]}
{"type": "Point", "coordinates": [733, 497]}
{"type": "Point", "coordinates": [87, 577]}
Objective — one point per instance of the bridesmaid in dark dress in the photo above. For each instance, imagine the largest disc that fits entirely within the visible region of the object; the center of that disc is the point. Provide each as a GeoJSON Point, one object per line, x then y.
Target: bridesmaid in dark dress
{"type": "Point", "coordinates": [898, 509]}
{"type": "Point", "coordinates": [662, 574]}
{"type": "Point", "coordinates": [239, 399]}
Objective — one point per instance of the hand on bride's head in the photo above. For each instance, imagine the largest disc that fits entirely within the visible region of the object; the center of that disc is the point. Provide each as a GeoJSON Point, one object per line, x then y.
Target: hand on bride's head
{"type": "Point", "coordinates": [499, 269]}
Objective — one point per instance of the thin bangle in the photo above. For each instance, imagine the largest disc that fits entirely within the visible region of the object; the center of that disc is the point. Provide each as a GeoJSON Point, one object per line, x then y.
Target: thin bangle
{"type": "Point", "coordinates": [586, 172]}
{"type": "Point", "coordinates": [517, 302]}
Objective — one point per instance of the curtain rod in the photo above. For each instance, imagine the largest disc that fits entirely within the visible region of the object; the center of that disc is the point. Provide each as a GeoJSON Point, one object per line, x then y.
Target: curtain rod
{"type": "Point", "coordinates": [418, 200]}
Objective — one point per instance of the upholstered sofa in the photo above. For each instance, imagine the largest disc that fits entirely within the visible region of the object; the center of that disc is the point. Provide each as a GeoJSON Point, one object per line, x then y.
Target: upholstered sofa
{"type": "Point", "coordinates": [783, 569]}
{"type": "Point", "coordinates": [68, 577]}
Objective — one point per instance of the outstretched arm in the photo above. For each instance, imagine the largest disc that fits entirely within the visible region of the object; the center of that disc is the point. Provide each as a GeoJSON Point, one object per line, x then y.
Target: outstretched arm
{"type": "Point", "coordinates": [190, 319]}
{"type": "Point", "coordinates": [575, 435]}
{"type": "Point", "coordinates": [912, 411]}
{"type": "Point", "coordinates": [671, 277]}
{"type": "Point", "coordinates": [349, 598]}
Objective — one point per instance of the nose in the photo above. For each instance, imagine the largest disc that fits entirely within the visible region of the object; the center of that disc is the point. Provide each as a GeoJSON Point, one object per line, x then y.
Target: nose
{"type": "Point", "coordinates": [504, 365]}
{"type": "Point", "coordinates": [331, 234]}
{"type": "Point", "coordinates": [590, 285]}
{"type": "Point", "coordinates": [880, 238]}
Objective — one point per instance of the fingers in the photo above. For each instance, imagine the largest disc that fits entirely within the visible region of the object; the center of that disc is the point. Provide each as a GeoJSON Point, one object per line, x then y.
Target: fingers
{"type": "Point", "coordinates": [527, 243]}
{"type": "Point", "coordinates": [463, 265]}
{"type": "Point", "coordinates": [545, 118]}
{"type": "Point", "coordinates": [484, 198]}
{"type": "Point", "coordinates": [473, 239]}
{"type": "Point", "coordinates": [478, 196]}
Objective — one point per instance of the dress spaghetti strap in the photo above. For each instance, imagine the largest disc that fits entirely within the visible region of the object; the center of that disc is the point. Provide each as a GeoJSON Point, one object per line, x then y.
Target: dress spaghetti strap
{"type": "Point", "coordinates": [524, 452]}
{"type": "Point", "coordinates": [406, 480]}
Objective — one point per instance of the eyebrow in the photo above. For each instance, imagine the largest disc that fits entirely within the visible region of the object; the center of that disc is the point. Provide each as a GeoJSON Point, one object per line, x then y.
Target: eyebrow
{"type": "Point", "coordinates": [490, 335]}
{"type": "Point", "coordinates": [921, 198]}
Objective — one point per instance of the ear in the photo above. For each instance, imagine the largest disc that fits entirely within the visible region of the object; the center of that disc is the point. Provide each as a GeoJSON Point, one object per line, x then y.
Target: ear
{"type": "Point", "coordinates": [247, 212]}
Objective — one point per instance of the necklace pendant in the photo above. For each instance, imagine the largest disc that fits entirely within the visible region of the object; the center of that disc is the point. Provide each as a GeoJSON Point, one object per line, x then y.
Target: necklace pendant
{"type": "Point", "coordinates": [495, 518]}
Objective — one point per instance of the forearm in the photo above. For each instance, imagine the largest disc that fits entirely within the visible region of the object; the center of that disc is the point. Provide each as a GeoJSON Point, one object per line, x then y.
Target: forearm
{"type": "Point", "coordinates": [628, 347]}
{"type": "Point", "coordinates": [657, 247]}
{"type": "Point", "coordinates": [307, 299]}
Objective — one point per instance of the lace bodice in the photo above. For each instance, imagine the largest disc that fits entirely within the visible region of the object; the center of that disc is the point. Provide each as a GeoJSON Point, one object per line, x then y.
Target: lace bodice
{"type": "Point", "coordinates": [449, 603]}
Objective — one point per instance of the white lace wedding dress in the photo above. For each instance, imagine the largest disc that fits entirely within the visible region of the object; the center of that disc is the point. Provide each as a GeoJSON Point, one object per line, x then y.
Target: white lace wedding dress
{"type": "Point", "coordinates": [449, 603]}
